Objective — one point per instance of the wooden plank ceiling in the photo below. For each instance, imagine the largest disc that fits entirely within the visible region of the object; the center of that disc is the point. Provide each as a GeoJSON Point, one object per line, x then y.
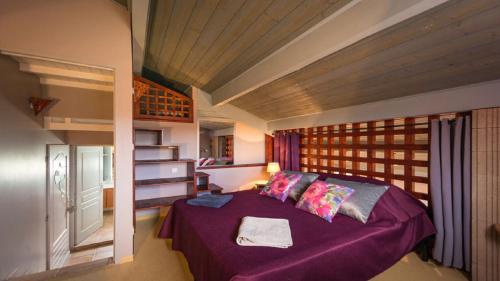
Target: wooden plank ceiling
{"type": "Point", "coordinates": [454, 44]}
{"type": "Point", "coordinates": [206, 43]}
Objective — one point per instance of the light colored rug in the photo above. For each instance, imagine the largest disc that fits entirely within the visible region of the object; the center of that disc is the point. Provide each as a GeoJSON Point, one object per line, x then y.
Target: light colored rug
{"type": "Point", "coordinates": [154, 261]}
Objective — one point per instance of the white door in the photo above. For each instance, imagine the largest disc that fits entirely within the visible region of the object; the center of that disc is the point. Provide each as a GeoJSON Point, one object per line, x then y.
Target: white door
{"type": "Point", "coordinates": [89, 209]}
{"type": "Point", "coordinates": [57, 201]}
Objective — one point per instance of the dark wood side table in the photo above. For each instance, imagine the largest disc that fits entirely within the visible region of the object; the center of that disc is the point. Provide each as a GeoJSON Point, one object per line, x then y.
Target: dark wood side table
{"type": "Point", "coordinates": [259, 186]}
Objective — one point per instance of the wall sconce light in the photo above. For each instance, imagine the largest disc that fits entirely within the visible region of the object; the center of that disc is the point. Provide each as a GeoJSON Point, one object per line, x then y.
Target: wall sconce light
{"type": "Point", "coordinates": [39, 104]}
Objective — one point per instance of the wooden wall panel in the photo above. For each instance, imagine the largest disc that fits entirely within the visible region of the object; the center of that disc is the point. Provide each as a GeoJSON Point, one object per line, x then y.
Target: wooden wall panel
{"type": "Point", "coordinates": [485, 194]}
{"type": "Point", "coordinates": [269, 148]}
{"type": "Point", "coordinates": [395, 151]}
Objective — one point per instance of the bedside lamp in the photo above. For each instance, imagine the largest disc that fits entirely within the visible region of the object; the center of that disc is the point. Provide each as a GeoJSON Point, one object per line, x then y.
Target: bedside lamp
{"type": "Point", "coordinates": [273, 168]}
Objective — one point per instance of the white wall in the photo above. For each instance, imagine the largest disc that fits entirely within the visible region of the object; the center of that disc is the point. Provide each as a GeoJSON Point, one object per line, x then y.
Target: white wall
{"type": "Point", "coordinates": [237, 178]}
{"type": "Point", "coordinates": [222, 132]}
{"type": "Point", "coordinates": [249, 144]}
{"type": "Point", "coordinates": [94, 32]}
{"type": "Point", "coordinates": [205, 109]}
{"type": "Point", "coordinates": [248, 131]}
{"type": "Point", "coordinates": [474, 96]}
{"type": "Point", "coordinates": [79, 103]}
{"type": "Point", "coordinates": [22, 174]}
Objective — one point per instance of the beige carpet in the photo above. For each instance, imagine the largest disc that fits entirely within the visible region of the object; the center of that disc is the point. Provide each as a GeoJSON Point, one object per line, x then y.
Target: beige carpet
{"type": "Point", "coordinates": [154, 261]}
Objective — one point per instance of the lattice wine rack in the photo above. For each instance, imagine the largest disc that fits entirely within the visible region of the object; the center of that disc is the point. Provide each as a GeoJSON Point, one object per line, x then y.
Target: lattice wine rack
{"type": "Point", "coordinates": [155, 102]}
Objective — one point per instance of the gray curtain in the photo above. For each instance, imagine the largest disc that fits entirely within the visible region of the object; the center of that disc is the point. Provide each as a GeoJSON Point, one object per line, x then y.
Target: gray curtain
{"type": "Point", "coordinates": [450, 184]}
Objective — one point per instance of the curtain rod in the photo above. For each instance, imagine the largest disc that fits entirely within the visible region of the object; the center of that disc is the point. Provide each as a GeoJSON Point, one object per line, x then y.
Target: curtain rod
{"type": "Point", "coordinates": [448, 114]}
{"type": "Point", "coordinates": [350, 129]}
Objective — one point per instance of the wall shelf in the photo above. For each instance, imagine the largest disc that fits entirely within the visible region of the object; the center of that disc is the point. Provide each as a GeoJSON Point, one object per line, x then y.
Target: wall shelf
{"type": "Point", "coordinates": [155, 146]}
{"type": "Point", "coordinates": [162, 181]}
{"type": "Point", "coordinates": [157, 202]}
{"type": "Point", "coordinates": [195, 181]}
{"type": "Point", "coordinates": [157, 132]}
{"type": "Point", "coordinates": [163, 161]}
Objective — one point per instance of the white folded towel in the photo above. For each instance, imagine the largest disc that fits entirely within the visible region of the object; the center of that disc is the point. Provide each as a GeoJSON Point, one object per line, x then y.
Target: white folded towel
{"type": "Point", "coordinates": [264, 232]}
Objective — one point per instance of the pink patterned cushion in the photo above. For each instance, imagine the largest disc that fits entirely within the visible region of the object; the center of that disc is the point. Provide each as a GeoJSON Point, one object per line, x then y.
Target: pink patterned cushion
{"type": "Point", "coordinates": [323, 199]}
{"type": "Point", "coordinates": [202, 160]}
{"type": "Point", "coordinates": [280, 185]}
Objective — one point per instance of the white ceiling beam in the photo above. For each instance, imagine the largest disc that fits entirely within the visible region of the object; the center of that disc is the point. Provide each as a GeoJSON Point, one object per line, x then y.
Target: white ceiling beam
{"type": "Point", "coordinates": [25, 58]}
{"type": "Point", "coordinates": [76, 84]}
{"type": "Point", "coordinates": [76, 124]}
{"type": "Point", "coordinates": [352, 23]}
{"type": "Point", "coordinates": [63, 72]}
{"type": "Point", "coordinates": [140, 13]}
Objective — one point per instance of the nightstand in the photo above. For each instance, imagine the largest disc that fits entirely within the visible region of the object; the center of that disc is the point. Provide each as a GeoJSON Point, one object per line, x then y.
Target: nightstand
{"type": "Point", "coordinates": [259, 186]}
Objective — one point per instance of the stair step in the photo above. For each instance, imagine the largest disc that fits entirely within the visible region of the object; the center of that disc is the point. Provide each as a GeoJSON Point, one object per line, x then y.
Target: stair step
{"type": "Point", "coordinates": [215, 189]}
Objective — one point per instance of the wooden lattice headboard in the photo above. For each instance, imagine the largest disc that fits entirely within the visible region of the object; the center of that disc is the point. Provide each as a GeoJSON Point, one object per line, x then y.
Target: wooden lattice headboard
{"type": "Point", "coordinates": [394, 151]}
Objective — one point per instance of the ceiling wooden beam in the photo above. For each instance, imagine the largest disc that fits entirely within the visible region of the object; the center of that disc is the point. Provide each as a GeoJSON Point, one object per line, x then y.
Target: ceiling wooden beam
{"type": "Point", "coordinates": [77, 124]}
{"type": "Point", "coordinates": [76, 84]}
{"type": "Point", "coordinates": [140, 14]}
{"type": "Point", "coordinates": [350, 24]}
{"type": "Point", "coordinates": [64, 72]}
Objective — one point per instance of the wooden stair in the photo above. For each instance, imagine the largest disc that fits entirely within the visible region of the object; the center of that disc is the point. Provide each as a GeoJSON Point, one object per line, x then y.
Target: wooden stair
{"type": "Point", "coordinates": [195, 181]}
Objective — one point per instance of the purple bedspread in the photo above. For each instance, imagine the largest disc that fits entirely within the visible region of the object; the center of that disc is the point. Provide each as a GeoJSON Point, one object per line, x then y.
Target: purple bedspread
{"type": "Point", "coordinates": [342, 250]}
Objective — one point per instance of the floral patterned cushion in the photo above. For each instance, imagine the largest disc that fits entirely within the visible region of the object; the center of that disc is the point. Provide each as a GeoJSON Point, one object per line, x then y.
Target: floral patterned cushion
{"type": "Point", "coordinates": [323, 199]}
{"type": "Point", "coordinates": [280, 184]}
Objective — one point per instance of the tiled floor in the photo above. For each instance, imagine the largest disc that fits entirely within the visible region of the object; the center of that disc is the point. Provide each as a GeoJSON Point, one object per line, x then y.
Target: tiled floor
{"type": "Point", "coordinates": [90, 255]}
{"type": "Point", "coordinates": [105, 233]}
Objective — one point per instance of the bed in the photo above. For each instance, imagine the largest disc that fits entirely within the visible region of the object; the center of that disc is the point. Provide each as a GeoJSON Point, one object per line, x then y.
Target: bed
{"type": "Point", "coordinates": [342, 250]}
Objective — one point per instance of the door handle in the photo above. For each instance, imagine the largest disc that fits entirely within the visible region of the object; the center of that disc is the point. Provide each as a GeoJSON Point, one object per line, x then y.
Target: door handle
{"type": "Point", "coordinates": [70, 207]}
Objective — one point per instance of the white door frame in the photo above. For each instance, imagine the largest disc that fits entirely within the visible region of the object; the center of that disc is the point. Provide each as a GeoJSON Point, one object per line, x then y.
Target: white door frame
{"type": "Point", "coordinates": [72, 194]}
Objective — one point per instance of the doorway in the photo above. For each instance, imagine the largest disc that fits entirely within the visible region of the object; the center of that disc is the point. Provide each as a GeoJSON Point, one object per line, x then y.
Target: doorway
{"type": "Point", "coordinates": [47, 115]}
{"type": "Point", "coordinates": [80, 204]}
{"type": "Point", "coordinates": [92, 189]}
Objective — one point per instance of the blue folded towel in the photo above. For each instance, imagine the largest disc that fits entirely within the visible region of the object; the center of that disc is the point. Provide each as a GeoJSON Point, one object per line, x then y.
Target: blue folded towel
{"type": "Point", "coordinates": [210, 200]}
